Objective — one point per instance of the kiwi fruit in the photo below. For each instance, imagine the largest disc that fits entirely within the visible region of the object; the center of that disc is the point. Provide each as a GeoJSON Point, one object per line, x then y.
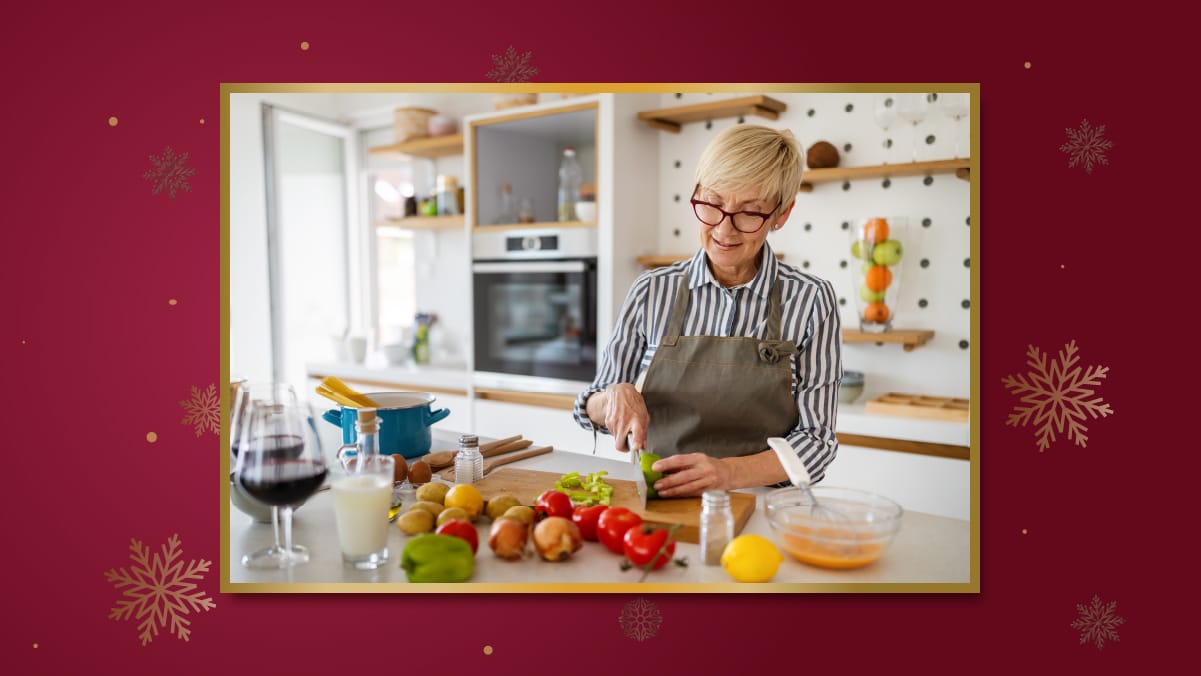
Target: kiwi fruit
{"type": "Point", "coordinates": [821, 155]}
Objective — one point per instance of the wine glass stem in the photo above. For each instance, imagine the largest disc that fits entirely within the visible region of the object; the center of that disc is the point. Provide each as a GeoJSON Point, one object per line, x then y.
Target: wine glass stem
{"type": "Point", "coordinates": [288, 531]}
{"type": "Point", "coordinates": [275, 524]}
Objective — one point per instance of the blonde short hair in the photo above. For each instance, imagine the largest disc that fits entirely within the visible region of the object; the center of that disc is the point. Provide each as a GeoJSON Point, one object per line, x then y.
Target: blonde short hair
{"type": "Point", "coordinates": [753, 156]}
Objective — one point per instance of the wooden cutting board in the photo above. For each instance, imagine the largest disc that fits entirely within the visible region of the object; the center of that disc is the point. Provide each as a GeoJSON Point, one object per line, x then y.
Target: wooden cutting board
{"type": "Point", "coordinates": [527, 484]}
{"type": "Point", "coordinates": [920, 406]}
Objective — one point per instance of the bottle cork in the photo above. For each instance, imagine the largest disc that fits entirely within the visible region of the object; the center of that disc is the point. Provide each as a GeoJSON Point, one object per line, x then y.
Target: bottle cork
{"type": "Point", "coordinates": [367, 421]}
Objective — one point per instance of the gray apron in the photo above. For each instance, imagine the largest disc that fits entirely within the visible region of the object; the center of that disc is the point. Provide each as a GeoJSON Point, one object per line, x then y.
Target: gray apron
{"type": "Point", "coordinates": [721, 396]}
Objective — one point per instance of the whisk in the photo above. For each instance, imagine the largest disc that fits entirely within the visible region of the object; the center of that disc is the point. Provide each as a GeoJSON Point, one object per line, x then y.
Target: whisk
{"type": "Point", "coordinates": [800, 478]}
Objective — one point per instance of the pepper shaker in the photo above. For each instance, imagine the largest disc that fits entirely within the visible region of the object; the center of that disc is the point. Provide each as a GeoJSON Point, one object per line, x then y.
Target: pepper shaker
{"type": "Point", "coordinates": [717, 526]}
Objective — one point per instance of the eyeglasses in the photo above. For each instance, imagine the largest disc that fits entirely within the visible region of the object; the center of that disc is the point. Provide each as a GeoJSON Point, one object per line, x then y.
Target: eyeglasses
{"type": "Point", "coordinates": [744, 221]}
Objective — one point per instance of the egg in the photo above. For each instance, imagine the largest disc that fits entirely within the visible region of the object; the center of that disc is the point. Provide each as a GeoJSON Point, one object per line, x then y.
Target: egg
{"type": "Point", "coordinates": [401, 469]}
{"type": "Point", "coordinates": [420, 473]}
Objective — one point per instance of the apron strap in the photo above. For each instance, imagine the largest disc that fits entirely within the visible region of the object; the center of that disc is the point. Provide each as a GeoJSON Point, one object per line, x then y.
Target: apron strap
{"type": "Point", "coordinates": [774, 314]}
{"type": "Point", "coordinates": [675, 325]}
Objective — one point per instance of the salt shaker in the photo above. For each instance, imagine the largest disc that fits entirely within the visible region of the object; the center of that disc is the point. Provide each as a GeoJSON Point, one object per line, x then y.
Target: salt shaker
{"type": "Point", "coordinates": [717, 525]}
{"type": "Point", "coordinates": [469, 463]}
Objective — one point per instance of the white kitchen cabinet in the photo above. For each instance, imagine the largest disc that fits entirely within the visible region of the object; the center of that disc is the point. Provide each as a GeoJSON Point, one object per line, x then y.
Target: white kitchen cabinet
{"type": "Point", "coordinates": [921, 483]}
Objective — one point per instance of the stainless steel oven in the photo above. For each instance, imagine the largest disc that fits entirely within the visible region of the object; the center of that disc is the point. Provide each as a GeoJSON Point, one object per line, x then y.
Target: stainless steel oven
{"type": "Point", "coordinates": [535, 302]}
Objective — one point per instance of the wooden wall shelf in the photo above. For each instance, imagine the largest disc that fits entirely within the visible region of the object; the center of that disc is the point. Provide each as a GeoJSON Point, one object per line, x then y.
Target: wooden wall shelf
{"type": "Point", "coordinates": [429, 148]}
{"type": "Point", "coordinates": [961, 168]}
{"type": "Point", "coordinates": [672, 119]}
{"type": "Point", "coordinates": [423, 223]}
{"type": "Point", "coordinates": [668, 259]}
{"type": "Point", "coordinates": [908, 338]}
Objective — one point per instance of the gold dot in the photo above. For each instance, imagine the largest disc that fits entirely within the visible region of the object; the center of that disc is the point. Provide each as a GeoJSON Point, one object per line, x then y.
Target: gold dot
{"type": "Point", "coordinates": [151, 437]}
{"type": "Point", "coordinates": [1024, 531]}
{"type": "Point", "coordinates": [487, 650]}
{"type": "Point", "coordinates": [1027, 65]}
{"type": "Point", "coordinates": [172, 302]}
{"type": "Point", "coordinates": [305, 45]}
{"type": "Point", "coordinates": [112, 121]}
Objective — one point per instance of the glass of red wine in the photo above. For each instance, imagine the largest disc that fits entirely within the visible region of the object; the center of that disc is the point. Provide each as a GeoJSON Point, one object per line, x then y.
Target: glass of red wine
{"type": "Point", "coordinates": [280, 464]}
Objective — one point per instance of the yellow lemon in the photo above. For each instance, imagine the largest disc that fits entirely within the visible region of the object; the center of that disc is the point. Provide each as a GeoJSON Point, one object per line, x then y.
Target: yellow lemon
{"type": "Point", "coordinates": [751, 558]}
{"type": "Point", "coordinates": [466, 497]}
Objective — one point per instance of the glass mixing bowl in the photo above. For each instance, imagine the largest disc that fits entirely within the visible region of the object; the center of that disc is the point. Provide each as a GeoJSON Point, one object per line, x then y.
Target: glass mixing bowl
{"type": "Point", "coordinates": [848, 528]}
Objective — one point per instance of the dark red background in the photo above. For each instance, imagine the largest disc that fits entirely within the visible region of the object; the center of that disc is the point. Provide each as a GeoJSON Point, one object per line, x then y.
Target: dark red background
{"type": "Point", "coordinates": [94, 357]}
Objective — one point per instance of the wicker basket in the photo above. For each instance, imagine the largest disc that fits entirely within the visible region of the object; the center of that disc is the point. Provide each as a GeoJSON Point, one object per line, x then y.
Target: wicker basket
{"type": "Point", "coordinates": [412, 123]}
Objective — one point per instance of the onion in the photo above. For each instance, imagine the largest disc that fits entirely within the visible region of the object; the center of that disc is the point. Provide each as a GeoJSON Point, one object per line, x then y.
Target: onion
{"type": "Point", "coordinates": [556, 538]}
{"type": "Point", "coordinates": [508, 537]}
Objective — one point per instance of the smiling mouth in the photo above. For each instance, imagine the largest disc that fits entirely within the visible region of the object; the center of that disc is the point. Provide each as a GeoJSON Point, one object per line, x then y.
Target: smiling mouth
{"type": "Point", "coordinates": [720, 245]}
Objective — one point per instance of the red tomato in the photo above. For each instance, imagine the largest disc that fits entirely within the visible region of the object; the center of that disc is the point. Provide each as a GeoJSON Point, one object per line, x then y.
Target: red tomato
{"type": "Point", "coordinates": [553, 503]}
{"type": "Point", "coordinates": [585, 519]}
{"type": "Point", "coordinates": [642, 545]}
{"type": "Point", "coordinates": [461, 529]}
{"type": "Point", "coordinates": [612, 526]}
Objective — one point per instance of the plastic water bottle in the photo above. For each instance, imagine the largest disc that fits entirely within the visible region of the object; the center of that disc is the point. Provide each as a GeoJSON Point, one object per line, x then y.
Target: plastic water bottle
{"type": "Point", "coordinates": [569, 185]}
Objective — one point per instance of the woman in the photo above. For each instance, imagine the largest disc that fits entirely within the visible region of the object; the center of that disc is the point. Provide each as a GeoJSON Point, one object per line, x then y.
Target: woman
{"type": "Point", "coordinates": [734, 346]}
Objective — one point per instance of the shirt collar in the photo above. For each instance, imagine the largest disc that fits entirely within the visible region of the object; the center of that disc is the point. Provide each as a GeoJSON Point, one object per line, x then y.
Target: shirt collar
{"type": "Point", "coordinates": [699, 273]}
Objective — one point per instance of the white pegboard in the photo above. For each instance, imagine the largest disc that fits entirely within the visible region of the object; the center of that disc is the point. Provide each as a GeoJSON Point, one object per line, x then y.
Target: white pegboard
{"type": "Point", "coordinates": [940, 367]}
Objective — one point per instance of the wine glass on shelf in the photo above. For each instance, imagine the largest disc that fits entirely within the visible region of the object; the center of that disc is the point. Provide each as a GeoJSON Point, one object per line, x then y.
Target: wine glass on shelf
{"type": "Point", "coordinates": [912, 108]}
{"type": "Point", "coordinates": [956, 107]}
{"type": "Point", "coordinates": [280, 464]}
{"type": "Point", "coordinates": [884, 111]}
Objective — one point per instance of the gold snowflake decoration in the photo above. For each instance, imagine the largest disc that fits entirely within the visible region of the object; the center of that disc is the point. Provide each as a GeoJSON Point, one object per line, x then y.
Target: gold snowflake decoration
{"type": "Point", "coordinates": [1097, 623]}
{"type": "Point", "coordinates": [159, 590]}
{"type": "Point", "coordinates": [640, 619]}
{"type": "Point", "coordinates": [170, 172]}
{"type": "Point", "coordinates": [512, 68]}
{"type": "Point", "coordinates": [1086, 145]}
{"type": "Point", "coordinates": [1056, 396]}
{"type": "Point", "coordinates": [204, 410]}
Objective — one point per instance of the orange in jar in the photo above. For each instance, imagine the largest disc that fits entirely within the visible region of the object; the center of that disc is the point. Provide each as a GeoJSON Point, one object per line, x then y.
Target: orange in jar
{"type": "Point", "coordinates": [875, 230]}
{"type": "Point", "coordinates": [877, 278]}
{"type": "Point", "coordinates": [875, 312]}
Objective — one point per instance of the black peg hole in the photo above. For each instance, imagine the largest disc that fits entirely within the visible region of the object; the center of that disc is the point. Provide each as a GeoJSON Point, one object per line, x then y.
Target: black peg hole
{"type": "Point", "coordinates": [926, 222]}
{"type": "Point", "coordinates": [925, 262]}
{"type": "Point", "coordinates": [966, 304]}
{"type": "Point", "coordinates": [929, 180]}
{"type": "Point", "coordinates": [930, 139]}
{"type": "Point", "coordinates": [922, 302]}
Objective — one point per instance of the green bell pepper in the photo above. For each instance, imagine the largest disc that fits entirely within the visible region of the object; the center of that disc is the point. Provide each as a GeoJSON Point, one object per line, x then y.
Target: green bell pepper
{"type": "Point", "coordinates": [437, 558]}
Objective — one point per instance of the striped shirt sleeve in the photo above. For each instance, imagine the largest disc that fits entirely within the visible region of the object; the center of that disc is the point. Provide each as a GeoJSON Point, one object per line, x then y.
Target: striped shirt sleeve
{"type": "Point", "coordinates": [816, 378]}
{"type": "Point", "coordinates": [621, 358]}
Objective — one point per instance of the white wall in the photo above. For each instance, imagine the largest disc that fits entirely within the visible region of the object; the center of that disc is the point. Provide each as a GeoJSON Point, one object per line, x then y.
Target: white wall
{"type": "Point", "coordinates": [941, 367]}
{"type": "Point", "coordinates": [249, 316]}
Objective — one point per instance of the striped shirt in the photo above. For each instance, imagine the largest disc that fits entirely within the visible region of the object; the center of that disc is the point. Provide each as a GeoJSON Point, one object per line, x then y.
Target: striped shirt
{"type": "Point", "coordinates": [810, 318]}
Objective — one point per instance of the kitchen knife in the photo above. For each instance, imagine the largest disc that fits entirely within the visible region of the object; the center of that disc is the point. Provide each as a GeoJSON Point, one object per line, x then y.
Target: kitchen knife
{"type": "Point", "coordinates": [639, 479]}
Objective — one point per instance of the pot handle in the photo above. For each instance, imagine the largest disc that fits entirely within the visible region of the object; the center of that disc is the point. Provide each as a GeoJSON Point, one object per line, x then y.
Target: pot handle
{"type": "Point", "coordinates": [333, 417]}
{"type": "Point", "coordinates": [437, 415]}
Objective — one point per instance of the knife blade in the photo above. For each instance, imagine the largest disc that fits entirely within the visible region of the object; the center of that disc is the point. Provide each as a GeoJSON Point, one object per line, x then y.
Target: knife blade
{"type": "Point", "coordinates": [639, 479]}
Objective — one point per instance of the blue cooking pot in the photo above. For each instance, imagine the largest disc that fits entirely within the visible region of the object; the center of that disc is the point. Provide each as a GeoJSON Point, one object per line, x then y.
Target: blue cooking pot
{"type": "Point", "coordinates": [405, 419]}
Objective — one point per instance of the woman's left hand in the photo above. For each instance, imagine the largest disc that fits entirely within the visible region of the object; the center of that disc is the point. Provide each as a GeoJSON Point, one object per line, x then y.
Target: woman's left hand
{"type": "Point", "coordinates": [691, 474]}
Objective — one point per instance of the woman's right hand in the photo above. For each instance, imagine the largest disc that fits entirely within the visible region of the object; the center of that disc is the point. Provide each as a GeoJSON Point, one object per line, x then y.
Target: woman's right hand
{"type": "Point", "coordinates": [626, 415]}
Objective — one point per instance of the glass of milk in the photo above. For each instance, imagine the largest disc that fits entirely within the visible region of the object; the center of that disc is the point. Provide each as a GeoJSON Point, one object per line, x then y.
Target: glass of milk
{"type": "Point", "coordinates": [362, 498]}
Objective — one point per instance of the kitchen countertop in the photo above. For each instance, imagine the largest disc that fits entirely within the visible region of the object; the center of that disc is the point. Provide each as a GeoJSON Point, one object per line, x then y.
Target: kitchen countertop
{"type": "Point", "coordinates": [930, 553]}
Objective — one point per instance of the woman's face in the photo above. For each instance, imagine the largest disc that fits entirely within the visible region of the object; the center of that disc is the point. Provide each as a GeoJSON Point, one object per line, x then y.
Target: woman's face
{"type": "Point", "coordinates": [727, 246]}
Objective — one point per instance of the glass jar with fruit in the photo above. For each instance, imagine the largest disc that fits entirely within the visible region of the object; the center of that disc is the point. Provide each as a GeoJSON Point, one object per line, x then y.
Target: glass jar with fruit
{"type": "Point", "coordinates": [876, 253]}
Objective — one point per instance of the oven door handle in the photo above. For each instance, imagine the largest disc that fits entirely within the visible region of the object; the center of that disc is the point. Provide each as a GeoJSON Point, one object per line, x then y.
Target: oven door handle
{"type": "Point", "coordinates": [530, 266]}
